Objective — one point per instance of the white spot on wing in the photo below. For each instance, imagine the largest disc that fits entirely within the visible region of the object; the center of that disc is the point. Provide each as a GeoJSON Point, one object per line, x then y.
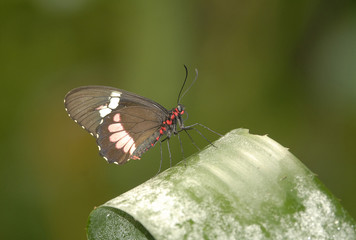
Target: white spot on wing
{"type": "Point", "coordinates": [114, 102]}
{"type": "Point", "coordinates": [104, 112]}
{"type": "Point", "coordinates": [115, 94]}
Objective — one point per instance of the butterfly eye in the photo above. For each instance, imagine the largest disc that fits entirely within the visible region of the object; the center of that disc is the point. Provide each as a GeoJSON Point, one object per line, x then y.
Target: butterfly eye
{"type": "Point", "coordinates": [180, 108]}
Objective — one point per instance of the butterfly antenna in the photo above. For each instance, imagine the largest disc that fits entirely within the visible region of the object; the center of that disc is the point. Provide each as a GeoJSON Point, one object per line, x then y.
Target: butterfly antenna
{"type": "Point", "coordinates": [186, 76]}
{"type": "Point", "coordinates": [196, 77]}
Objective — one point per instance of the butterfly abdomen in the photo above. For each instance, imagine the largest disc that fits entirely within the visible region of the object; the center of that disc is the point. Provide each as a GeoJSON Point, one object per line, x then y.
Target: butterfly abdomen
{"type": "Point", "coordinates": [146, 145]}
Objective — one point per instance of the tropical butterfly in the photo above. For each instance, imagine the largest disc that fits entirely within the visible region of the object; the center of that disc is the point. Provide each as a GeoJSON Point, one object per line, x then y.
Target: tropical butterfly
{"type": "Point", "coordinates": [125, 124]}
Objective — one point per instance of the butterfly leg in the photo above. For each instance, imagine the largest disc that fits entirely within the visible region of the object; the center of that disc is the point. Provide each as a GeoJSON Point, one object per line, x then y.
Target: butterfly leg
{"type": "Point", "coordinates": [181, 145]}
{"type": "Point", "coordinates": [191, 127]}
{"type": "Point", "coordinates": [191, 139]}
{"type": "Point", "coordinates": [181, 148]}
{"type": "Point", "coordinates": [169, 152]}
{"type": "Point", "coordinates": [160, 164]}
{"type": "Point", "coordinates": [195, 124]}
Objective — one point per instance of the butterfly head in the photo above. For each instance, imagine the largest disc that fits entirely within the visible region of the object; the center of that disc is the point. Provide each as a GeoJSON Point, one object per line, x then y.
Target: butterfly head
{"type": "Point", "coordinates": [180, 109]}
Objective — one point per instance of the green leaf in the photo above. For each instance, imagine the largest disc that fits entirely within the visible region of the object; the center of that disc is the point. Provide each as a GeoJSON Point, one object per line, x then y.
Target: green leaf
{"type": "Point", "coordinates": [247, 187]}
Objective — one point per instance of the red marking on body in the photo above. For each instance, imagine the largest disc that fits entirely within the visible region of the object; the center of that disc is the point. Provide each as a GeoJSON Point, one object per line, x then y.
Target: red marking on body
{"type": "Point", "coordinates": [115, 127]}
{"type": "Point", "coordinates": [117, 117]}
{"type": "Point", "coordinates": [152, 144]}
{"type": "Point", "coordinates": [176, 113]}
{"type": "Point", "coordinates": [164, 129]}
{"type": "Point", "coordinates": [182, 112]}
{"type": "Point", "coordinates": [169, 122]}
{"type": "Point", "coordinates": [157, 138]}
{"type": "Point", "coordinates": [164, 122]}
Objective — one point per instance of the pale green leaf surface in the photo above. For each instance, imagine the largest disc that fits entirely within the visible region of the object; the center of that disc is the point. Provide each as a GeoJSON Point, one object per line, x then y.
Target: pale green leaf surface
{"type": "Point", "coordinates": [247, 187]}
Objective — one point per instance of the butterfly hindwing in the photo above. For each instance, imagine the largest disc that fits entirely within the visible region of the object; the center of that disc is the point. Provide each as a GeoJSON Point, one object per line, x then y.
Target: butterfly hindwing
{"type": "Point", "coordinates": [122, 133]}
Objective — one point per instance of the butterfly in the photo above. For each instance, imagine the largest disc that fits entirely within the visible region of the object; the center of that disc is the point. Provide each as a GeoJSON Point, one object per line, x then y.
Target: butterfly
{"type": "Point", "coordinates": [125, 124]}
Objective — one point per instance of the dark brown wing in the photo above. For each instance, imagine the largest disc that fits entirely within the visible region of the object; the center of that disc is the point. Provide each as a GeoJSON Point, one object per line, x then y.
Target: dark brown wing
{"type": "Point", "coordinates": [121, 121]}
{"type": "Point", "coordinates": [125, 130]}
{"type": "Point", "coordinates": [88, 105]}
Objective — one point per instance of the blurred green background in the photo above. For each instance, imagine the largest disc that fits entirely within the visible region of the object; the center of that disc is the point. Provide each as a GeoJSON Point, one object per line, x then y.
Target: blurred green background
{"type": "Point", "coordinates": [282, 68]}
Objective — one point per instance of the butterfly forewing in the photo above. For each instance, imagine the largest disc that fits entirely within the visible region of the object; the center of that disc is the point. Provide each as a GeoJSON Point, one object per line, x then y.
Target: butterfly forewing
{"type": "Point", "coordinates": [124, 123]}
{"type": "Point", "coordinates": [86, 105]}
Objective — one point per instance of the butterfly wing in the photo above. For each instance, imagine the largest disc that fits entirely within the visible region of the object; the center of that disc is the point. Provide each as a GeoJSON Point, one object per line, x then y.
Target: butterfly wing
{"type": "Point", "coordinates": [121, 121]}
{"type": "Point", "coordinates": [125, 131]}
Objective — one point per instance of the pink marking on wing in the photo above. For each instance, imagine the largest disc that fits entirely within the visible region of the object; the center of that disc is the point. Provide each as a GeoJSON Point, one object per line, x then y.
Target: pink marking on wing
{"type": "Point", "coordinates": [128, 145]}
{"type": "Point", "coordinates": [122, 142]}
{"type": "Point", "coordinates": [115, 127]}
{"type": "Point", "coordinates": [117, 136]}
{"type": "Point", "coordinates": [133, 148]}
{"type": "Point", "coordinates": [101, 107]}
{"type": "Point", "coordinates": [117, 117]}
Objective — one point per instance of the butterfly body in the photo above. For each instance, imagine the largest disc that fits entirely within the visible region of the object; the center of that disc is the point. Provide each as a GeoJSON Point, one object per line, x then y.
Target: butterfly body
{"type": "Point", "coordinates": [125, 124]}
